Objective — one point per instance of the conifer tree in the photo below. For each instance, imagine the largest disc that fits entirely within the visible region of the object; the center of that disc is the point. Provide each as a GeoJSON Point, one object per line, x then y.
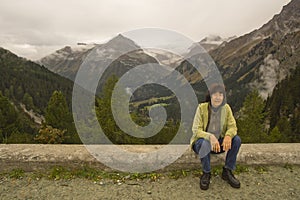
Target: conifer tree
{"type": "Point", "coordinates": [57, 112]}
{"type": "Point", "coordinates": [8, 118]}
{"type": "Point", "coordinates": [58, 116]}
{"type": "Point", "coordinates": [106, 118]}
{"type": "Point", "coordinates": [251, 122]}
{"type": "Point", "coordinates": [28, 101]}
{"type": "Point", "coordinates": [104, 113]}
{"type": "Point", "coordinates": [276, 136]}
{"type": "Point", "coordinates": [285, 128]}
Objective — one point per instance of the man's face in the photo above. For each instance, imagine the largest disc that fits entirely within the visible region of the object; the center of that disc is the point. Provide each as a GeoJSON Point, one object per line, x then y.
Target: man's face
{"type": "Point", "coordinates": [217, 99]}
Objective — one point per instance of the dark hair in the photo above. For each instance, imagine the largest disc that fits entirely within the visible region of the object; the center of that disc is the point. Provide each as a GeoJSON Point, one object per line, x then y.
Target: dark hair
{"type": "Point", "coordinates": [216, 87]}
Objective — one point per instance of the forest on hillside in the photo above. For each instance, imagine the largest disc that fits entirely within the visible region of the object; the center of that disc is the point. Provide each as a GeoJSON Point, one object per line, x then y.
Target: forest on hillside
{"type": "Point", "coordinates": [275, 120]}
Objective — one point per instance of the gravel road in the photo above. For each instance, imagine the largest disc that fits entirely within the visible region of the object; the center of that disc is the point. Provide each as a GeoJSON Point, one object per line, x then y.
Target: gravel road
{"type": "Point", "coordinates": [272, 182]}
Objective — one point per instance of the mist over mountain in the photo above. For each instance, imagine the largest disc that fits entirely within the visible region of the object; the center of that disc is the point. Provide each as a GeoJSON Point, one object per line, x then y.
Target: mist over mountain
{"type": "Point", "coordinates": [67, 61]}
{"type": "Point", "coordinates": [211, 42]}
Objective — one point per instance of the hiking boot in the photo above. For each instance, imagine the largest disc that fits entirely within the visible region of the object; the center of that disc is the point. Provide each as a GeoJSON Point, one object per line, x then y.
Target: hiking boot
{"type": "Point", "coordinates": [204, 181]}
{"type": "Point", "coordinates": [229, 177]}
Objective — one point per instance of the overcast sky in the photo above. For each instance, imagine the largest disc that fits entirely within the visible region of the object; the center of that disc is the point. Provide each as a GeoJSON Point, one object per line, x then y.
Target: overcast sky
{"type": "Point", "coordinates": [35, 28]}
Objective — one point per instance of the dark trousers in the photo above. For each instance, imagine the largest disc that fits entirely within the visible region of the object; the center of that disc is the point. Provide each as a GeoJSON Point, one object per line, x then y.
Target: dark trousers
{"type": "Point", "coordinates": [203, 148]}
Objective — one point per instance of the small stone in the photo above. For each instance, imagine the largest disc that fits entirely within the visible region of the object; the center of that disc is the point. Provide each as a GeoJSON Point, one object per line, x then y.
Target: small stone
{"type": "Point", "coordinates": [127, 177]}
{"type": "Point", "coordinates": [101, 183]}
{"type": "Point", "coordinates": [149, 192]}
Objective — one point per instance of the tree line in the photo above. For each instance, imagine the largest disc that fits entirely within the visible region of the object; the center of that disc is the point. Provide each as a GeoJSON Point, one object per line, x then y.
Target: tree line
{"type": "Point", "coordinates": [275, 120]}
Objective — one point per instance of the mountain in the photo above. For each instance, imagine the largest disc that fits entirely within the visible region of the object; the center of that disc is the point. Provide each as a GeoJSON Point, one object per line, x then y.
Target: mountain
{"type": "Point", "coordinates": [265, 56]}
{"type": "Point", "coordinates": [282, 24]}
{"type": "Point", "coordinates": [211, 42]}
{"type": "Point", "coordinates": [25, 89]}
{"type": "Point", "coordinates": [165, 58]}
{"type": "Point", "coordinates": [21, 78]}
{"type": "Point", "coordinates": [257, 60]}
{"type": "Point", "coordinates": [67, 61]}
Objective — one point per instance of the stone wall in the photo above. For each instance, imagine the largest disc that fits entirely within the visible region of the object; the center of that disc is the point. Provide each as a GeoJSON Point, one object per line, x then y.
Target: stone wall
{"type": "Point", "coordinates": [30, 157]}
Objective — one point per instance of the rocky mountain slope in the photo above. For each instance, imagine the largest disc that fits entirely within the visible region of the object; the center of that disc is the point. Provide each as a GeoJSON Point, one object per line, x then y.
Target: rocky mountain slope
{"type": "Point", "coordinates": [68, 60]}
{"type": "Point", "coordinates": [265, 56]}
{"type": "Point", "coordinates": [258, 60]}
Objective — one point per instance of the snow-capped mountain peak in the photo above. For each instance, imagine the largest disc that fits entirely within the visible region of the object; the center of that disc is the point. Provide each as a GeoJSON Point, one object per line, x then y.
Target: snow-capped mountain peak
{"type": "Point", "coordinates": [213, 41]}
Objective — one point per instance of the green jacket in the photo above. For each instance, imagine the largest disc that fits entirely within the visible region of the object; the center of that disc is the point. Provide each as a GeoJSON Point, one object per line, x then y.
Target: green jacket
{"type": "Point", "coordinates": [201, 122]}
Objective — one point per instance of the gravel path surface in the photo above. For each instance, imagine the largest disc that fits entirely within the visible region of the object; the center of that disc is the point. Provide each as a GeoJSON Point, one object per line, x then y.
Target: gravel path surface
{"type": "Point", "coordinates": [272, 182]}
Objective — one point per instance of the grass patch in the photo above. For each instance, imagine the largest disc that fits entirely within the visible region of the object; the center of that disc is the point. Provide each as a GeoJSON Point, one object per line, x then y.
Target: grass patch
{"type": "Point", "coordinates": [16, 174]}
{"type": "Point", "coordinates": [288, 166]}
{"type": "Point", "coordinates": [178, 174]}
{"type": "Point", "coordinates": [261, 169]}
{"type": "Point", "coordinates": [59, 172]}
{"type": "Point", "coordinates": [36, 175]}
{"type": "Point", "coordinates": [88, 173]}
{"type": "Point", "coordinates": [197, 173]}
{"type": "Point", "coordinates": [63, 173]}
{"type": "Point", "coordinates": [241, 169]}
{"type": "Point", "coordinates": [217, 170]}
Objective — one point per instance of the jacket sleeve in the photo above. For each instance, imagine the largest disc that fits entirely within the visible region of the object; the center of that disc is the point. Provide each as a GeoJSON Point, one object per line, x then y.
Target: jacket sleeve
{"type": "Point", "coordinates": [231, 123]}
{"type": "Point", "coordinates": [198, 126]}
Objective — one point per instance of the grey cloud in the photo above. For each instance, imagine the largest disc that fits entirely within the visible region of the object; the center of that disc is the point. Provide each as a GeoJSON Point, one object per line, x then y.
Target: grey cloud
{"type": "Point", "coordinates": [42, 23]}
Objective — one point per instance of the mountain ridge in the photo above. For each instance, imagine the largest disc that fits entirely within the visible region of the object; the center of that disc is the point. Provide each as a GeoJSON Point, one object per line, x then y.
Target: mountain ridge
{"type": "Point", "coordinates": [244, 57]}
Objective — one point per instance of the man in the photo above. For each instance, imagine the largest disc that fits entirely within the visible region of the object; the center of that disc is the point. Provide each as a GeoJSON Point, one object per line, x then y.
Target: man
{"type": "Point", "coordinates": [214, 131]}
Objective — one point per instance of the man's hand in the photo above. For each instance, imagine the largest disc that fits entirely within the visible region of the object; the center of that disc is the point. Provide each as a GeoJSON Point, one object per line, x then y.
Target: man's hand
{"type": "Point", "coordinates": [215, 146]}
{"type": "Point", "coordinates": [226, 143]}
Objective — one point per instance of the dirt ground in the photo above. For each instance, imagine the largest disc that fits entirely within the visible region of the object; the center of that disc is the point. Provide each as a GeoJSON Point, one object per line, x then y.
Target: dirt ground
{"type": "Point", "coordinates": [272, 182]}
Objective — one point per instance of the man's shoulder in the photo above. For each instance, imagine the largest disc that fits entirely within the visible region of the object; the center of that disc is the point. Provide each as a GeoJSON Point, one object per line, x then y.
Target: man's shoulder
{"type": "Point", "coordinates": [203, 105]}
{"type": "Point", "coordinates": [227, 106]}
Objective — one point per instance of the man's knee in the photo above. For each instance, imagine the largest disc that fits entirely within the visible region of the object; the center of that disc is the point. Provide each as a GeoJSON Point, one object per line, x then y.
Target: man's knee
{"type": "Point", "coordinates": [200, 143]}
{"type": "Point", "coordinates": [236, 141]}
